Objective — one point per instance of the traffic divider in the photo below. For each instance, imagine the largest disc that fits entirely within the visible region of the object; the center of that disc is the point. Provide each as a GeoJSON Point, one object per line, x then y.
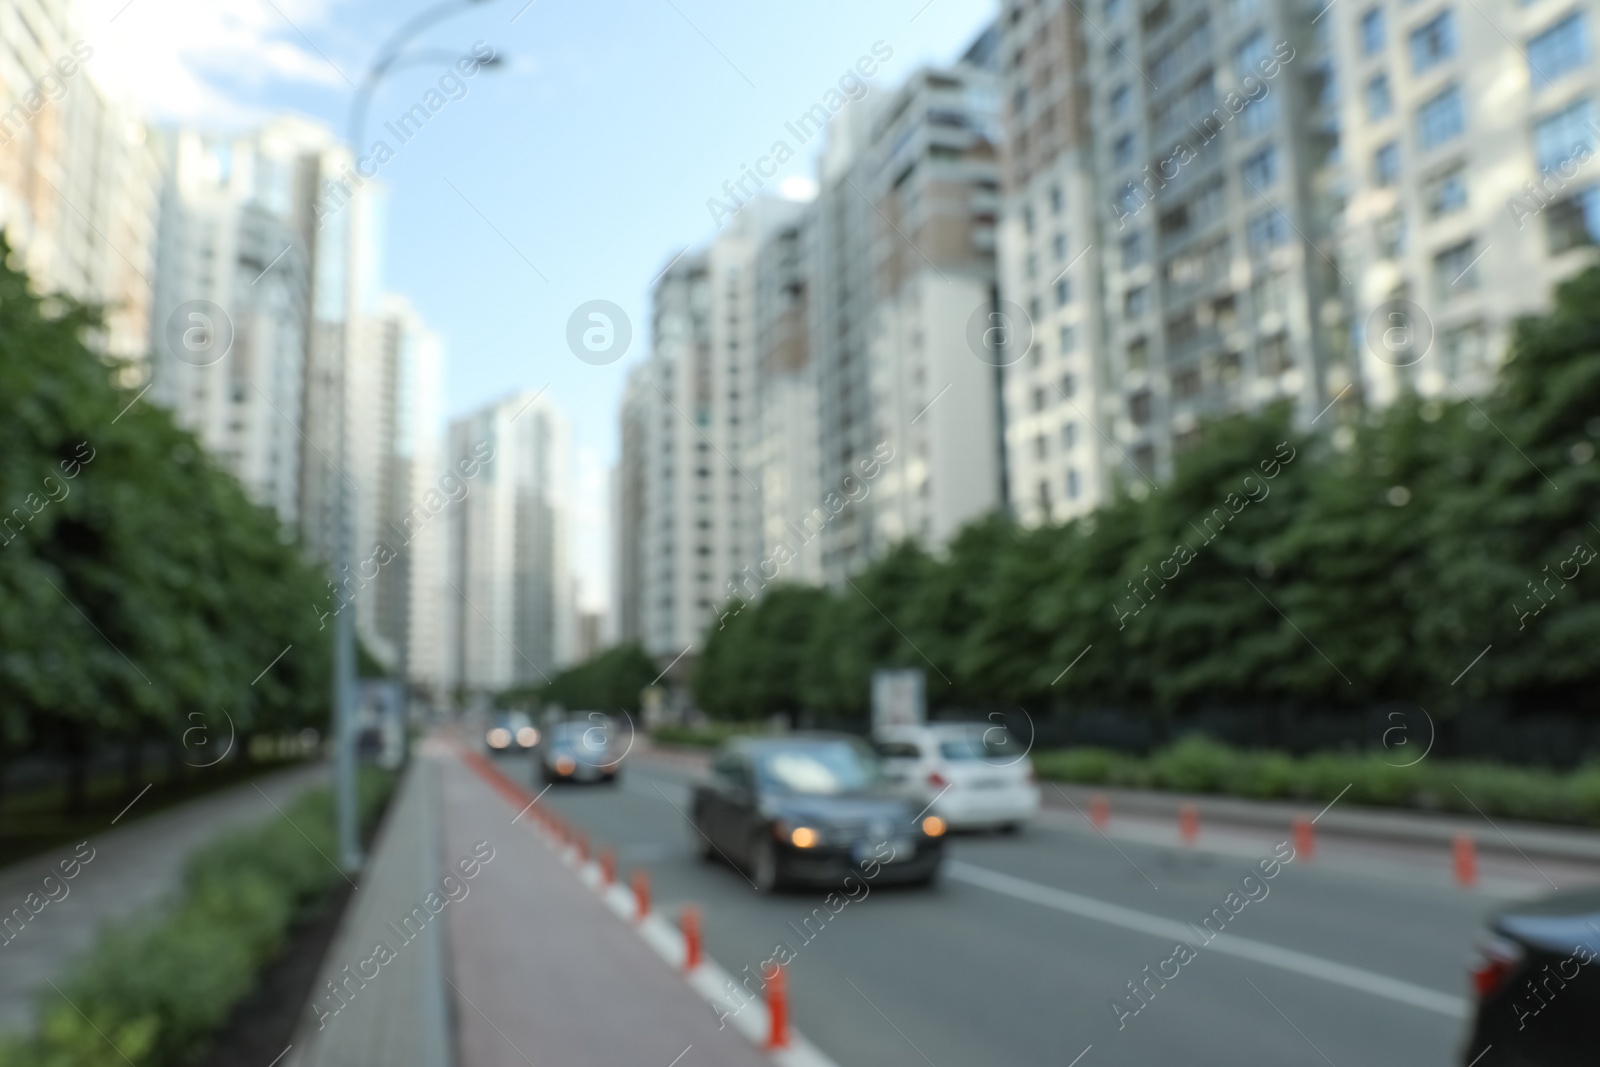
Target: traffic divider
{"type": "Point", "coordinates": [1188, 824]}
{"type": "Point", "coordinates": [689, 926]}
{"type": "Point", "coordinates": [1465, 854]}
{"type": "Point", "coordinates": [1305, 839]}
{"type": "Point", "coordinates": [1100, 810]}
{"type": "Point", "coordinates": [777, 1008]}
{"type": "Point", "coordinates": [641, 894]}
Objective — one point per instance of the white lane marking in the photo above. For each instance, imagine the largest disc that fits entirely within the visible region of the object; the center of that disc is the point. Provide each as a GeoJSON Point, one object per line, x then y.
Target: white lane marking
{"type": "Point", "coordinates": [1301, 963]}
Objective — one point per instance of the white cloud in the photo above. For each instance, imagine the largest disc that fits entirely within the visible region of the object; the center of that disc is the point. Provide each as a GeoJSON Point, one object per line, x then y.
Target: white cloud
{"type": "Point", "coordinates": [172, 58]}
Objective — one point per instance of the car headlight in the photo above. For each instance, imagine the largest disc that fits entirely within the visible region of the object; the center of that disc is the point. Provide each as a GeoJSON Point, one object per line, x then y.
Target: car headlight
{"type": "Point", "coordinates": [566, 764]}
{"type": "Point", "coordinates": [527, 737]}
{"type": "Point", "coordinates": [499, 737]}
{"type": "Point", "coordinates": [804, 837]}
{"type": "Point", "coordinates": [933, 826]}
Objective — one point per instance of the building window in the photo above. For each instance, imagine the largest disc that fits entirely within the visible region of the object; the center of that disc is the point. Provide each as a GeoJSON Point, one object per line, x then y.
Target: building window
{"type": "Point", "coordinates": [1040, 399]}
{"type": "Point", "coordinates": [1390, 232]}
{"type": "Point", "coordinates": [1122, 150]}
{"type": "Point", "coordinates": [1446, 193]}
{"type": "Point", "coordinates": [1186, 382]}
{"type": "Point", "coordinates": [1574, 222]}
{"type": "Point", "coordinates": [1267, 230]}
{"type": "Point", "coordinates": [1139, 407]}
{"type": "Point", "coordinates": [1259, 115]}
{"type": "Point", "coordinates": [1372, 31]}
{"type": "Point", "coordinates": [1063, 292]}
{"type": "Point", "coordinates": [1261, 168]}
{"type": "Point", "coordinates": [1073, 488]}
{"type": "Point", "coordinates": [1055, 199]}
{"type": "Point", "coordinates": [1465, 350]}
{"type": "Point", "coordinates": [1433, 42]}
{"type": "Point", "coordinates": [1132, 250]}
{"type": "Point", "coordinates": [1120, 99]}
{"type": "Point", "coordinates": [1563, 47]}
{"type": "Point", "coordinates": [1379, 103]}
{"type": "Point", "coordinates": [1455, 269]}
{"type": "Point", "coordinates": [1136, 301]}
{"type": "Point", "coordinates": [1275, 354]}
{"type": "Point", "coordinates": [1441, 118]}
{"type": "Point", "coordinates": [1138, 354]}
{"type": "Point", "coordinates": [1559, 137]}
{"type": "Point", "coordinates": [1041, 447]}
{"type": "Point", "coordinates": [1027, 220]}
{"type": "Point", "coordinates": [1044, 498]}
{"type": "Point", "coordinates": [1035, 309]}
{"type": "Point", "coordinates": [1069, 437]}
{"type": "Point", "coordinates": [1069, 388]}
{"type": "Point", "coordinates": [1059, 246]}
{"type": "Point", "coordinates": [1069, 340]}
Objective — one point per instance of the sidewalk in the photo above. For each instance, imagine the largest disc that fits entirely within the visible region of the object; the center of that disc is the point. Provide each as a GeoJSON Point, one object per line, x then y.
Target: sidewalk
{"type": "Point", "coordinates": [133, 867]}
{"type": "Point", "coordinates": [546, 973]}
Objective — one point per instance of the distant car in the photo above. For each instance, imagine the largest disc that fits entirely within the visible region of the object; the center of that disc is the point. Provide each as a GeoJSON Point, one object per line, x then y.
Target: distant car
{"type": "Point", "coordinates": [512, 729]}
{"type": "Point", "coordinates": [814, 809]}
{"type": "Point", "coordinates": [971, 775]}
{"type": "Point", "coordinates": [1538, 984]}
{"type": "Point", "coordinates": [581, 750]}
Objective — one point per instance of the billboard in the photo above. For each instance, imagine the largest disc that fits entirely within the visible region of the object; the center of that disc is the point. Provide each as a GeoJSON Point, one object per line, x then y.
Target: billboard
{"type": "Point", "coordinates": [899, 698]}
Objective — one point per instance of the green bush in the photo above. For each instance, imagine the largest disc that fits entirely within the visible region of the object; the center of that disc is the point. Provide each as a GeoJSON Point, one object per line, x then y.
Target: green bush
{"type": "Point", "coordinates": [160, 985]}
{"type": "Point", "coordinates": [1201, 765]}
{"type": "Point", "coordinates": [710, 735]}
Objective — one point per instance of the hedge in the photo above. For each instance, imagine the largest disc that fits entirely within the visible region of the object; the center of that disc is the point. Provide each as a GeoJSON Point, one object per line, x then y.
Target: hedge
{"type": "Point", "coordinates": [159, 985]}
{"type": "Point", "coordinates": [1200, 765]}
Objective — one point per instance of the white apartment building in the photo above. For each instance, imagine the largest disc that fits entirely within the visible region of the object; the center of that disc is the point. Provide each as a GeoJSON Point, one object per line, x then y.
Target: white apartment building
{"type": "Point", "coordinates": [78, 181]}
{"type": "Point", "coordinates": [787, 443]}
{"type": "Point", "coordinates": [228, 348]}
{"type": "Point", "coordinates": [508, 619]}
{"type": "Point", "coordinates": [700, 533]}
{"type": "Point", "coordinates": [1469, 178]}
{"type": "Point", "coordinates": [1167, 234]}
{"type": "Point", "coordinates": [628, 494]}
{"type": "Point", "coordinates": [404, 465]}
{"type": "Point", "coordinates": [901, 256]}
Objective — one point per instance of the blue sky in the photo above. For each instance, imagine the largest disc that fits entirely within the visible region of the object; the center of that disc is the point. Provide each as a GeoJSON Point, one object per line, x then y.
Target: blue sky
{"type": "Point", "coordinates": [588, 158]}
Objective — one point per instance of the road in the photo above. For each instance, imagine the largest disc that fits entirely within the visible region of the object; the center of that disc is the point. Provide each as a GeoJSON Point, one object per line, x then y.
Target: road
{"type": "Point", "coordinates": [1015, 957]}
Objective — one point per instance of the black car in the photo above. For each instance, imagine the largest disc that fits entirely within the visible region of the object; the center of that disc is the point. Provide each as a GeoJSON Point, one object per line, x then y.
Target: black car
{"type": "Point", "coordinates": [1538, 985]}
{"type": "Point", "coordinates": [814, 809]}
{"type": "Point", "coordinates": [580, 750]}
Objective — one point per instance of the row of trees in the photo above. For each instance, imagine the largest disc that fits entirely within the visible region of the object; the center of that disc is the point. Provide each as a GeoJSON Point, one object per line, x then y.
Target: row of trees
{"type": "Point", "coordinates": [1276, 567]}
{"type": "Point", "coordinates": [611, 681]}
{"type": "Point", "coordinates": [140, 591]}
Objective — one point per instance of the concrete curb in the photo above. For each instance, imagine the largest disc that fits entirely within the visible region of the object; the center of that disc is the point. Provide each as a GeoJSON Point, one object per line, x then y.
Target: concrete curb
{"type": "Point", "coordinates": [709, 979]}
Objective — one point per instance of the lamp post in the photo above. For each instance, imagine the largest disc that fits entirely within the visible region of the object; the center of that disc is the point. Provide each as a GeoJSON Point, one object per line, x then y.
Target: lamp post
{"type": "Point", "coordinates": [390, 57]}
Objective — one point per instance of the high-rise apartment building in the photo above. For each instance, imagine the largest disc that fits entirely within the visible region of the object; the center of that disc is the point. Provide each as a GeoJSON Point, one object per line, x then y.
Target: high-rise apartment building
{"type": "Point", "coordinates": [701, 522]}
{"type": "Point", "coordinates": [508, 618]}
{"type": "Point", "coordinates": [629, 491]}
{"type": "Point", "coordinates": [902, 261]}
{"type": "Point", "coordinates": [787, 444]}
{"type": "Point", "coordinates": [78, 180]}
{"type": "Point", "coordinates": [232, 295]}
{"type": "Point", "coordinates": [1168, 234]}
{"type": "Point", "coordinates": [1468, 178]}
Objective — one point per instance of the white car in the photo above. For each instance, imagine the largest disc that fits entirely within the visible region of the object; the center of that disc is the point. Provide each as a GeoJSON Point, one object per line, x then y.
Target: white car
{"type": "Point", "coordinates": [972, 775]}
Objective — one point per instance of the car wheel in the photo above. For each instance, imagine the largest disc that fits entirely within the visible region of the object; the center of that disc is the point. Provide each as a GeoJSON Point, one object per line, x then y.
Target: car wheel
{"type": "Point", "coordinates": [764, 863]}
{"type": "Point", "coordinates": [1010, 827]}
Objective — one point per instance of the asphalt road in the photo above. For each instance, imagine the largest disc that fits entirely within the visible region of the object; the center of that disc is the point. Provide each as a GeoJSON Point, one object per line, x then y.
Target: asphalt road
{"type": "Point", "coordinates": [1015, 957]}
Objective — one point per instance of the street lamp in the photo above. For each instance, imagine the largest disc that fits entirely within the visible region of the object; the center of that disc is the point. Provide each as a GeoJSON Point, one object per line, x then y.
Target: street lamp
{"type": "Point", "coordinates": [390, 57]}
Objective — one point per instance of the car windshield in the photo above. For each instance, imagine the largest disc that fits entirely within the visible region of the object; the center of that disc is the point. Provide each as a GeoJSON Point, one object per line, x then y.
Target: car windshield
{"type": "Point", "coordinates": [821, 769]}
{"type": "Point", "coordinates": [969, 747]}
{"type": "Point", "coordinates": [583, 734]}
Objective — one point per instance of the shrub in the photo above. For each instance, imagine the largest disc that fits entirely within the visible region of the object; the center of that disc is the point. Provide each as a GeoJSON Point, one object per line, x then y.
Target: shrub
{"type": "Point", "coordinates": [160, 984]}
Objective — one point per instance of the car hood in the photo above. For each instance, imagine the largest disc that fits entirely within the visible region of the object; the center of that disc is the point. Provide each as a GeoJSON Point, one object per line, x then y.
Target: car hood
{"type": "Point", "coordinates": [1557, 923]}
{"type": "Point", "coordinates": [863, 810]}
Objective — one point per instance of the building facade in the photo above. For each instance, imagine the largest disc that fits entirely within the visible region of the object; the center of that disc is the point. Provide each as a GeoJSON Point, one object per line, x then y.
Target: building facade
{"type": "Point", "coordinates": [508, 619]}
